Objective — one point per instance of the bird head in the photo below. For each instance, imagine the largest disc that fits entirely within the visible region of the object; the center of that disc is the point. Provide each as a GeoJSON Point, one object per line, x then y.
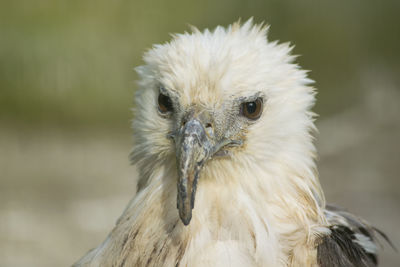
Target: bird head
{"type": "Point", "coordinates": [226, 96]}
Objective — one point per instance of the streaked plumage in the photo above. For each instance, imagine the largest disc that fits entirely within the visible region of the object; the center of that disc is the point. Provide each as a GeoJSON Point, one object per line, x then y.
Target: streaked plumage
{"type": "Point", "coordinates": [258, 200]}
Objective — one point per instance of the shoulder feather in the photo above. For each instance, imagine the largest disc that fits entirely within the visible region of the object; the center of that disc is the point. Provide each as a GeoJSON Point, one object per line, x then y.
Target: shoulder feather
{"type": "Point", "coordinates": [350, 243]}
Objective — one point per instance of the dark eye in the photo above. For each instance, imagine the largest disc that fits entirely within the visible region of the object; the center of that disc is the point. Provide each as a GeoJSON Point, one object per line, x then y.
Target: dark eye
{"type": "Point", "coordinates": [165, 103]}
{"type": "Point", "coordinates": [252, 110]}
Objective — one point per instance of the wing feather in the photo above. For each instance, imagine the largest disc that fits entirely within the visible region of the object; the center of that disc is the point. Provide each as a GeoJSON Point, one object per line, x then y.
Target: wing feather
{"type": "Point", "coordinates": [351, 242]}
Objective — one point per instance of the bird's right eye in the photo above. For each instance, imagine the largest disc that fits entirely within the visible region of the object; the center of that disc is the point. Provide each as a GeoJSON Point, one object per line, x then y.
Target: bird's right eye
{"type": "Point", "coordinates": [165, 103]}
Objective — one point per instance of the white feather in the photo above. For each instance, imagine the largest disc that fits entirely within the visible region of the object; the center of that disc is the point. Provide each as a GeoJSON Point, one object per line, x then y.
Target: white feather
{"type": "Point", "coordinates": [263, 206]}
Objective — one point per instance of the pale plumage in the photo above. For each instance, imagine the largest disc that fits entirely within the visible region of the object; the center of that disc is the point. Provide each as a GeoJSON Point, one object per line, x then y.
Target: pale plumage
{"type": "Point", "coordinates": [258, 200]}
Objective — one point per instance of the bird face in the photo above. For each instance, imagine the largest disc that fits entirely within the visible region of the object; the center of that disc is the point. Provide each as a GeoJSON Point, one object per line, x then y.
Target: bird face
{"type": "Point", "coordinates": [220, 94]}
{"type": "Point", "coordinates": [201, 132]}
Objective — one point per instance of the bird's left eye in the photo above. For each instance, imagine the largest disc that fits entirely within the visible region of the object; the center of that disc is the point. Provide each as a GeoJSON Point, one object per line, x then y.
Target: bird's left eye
{"type": "Point", "coordinates": [252, 110]}
{"type": "Point", "coordinates": [165, 103]}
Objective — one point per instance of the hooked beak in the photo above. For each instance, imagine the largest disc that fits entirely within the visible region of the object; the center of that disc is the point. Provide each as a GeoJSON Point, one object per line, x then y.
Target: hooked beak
{"type": "Point", "coordinates": [193, 148]}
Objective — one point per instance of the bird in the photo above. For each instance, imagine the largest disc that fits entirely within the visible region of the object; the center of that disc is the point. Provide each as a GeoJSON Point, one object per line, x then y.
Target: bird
{"type": "Point", "coordinates": [224, 133]}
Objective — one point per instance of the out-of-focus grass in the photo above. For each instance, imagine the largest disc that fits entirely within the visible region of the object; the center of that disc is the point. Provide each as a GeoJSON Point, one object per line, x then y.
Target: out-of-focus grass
{"type": "Point", "coordinates": [71, 62]}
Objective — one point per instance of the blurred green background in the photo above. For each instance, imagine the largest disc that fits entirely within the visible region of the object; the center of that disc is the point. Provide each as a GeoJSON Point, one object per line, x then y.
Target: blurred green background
{"type": "Point", "coordinates": [66, 89]}
{"type": "Point", "coordinates": [71, 62]}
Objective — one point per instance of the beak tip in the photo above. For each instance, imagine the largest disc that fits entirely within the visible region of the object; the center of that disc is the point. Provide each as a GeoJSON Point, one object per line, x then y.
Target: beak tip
{"type": "Point", "coordinates": [186, 222]}
{"type": "Point", "coordinates": [186, 218]}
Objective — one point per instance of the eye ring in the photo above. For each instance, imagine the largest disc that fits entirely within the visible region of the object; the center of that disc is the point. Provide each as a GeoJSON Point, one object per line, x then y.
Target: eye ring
{"type": "Point", "coordinates": [164, 103]}
{"type": "Point", "coordinates": [252, 109]}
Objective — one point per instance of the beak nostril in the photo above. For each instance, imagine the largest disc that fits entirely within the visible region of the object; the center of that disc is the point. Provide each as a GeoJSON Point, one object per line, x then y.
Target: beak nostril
{"type": "Point", "coordinates": [209, 129]}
